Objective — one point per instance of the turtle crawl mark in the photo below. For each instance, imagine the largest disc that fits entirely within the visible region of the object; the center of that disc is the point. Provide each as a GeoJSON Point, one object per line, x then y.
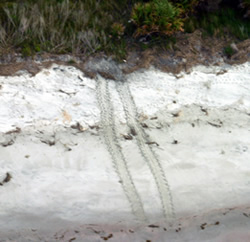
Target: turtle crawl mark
{"type": "Point", "coordinates": [114, 148]}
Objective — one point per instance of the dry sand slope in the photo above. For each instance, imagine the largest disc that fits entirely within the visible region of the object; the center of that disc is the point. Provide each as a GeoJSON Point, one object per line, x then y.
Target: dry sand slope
{"type": "Point", "coordinates": [150, 156]}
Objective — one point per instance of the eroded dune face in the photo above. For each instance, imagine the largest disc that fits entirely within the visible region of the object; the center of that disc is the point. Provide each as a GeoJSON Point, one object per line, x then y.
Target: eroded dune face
{"type": "Point", "coordinates": [147, 156]}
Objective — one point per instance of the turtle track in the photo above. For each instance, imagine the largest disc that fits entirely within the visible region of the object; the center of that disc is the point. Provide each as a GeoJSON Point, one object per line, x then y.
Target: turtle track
{"type": "Point", "coordinates": [146, 151]}
{"type": "Point", "coordinates": [115, 150]}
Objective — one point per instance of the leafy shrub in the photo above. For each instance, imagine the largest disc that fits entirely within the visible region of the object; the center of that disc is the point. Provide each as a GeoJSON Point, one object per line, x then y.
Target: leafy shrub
{"type": "Point", "coordinates": [157, 16]}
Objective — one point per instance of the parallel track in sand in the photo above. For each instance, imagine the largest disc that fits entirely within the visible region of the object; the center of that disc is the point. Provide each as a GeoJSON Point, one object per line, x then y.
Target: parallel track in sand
{"type": "Point", "coordinates": [146, 151]}
{"type": "Point", "coordinates": [111, 139]}
{"type": "Point", "coordinates": [114, 148]}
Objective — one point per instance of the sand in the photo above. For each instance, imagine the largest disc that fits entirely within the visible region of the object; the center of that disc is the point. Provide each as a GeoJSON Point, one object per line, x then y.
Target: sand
{"type": "Point", "coordinates": [157, 157]}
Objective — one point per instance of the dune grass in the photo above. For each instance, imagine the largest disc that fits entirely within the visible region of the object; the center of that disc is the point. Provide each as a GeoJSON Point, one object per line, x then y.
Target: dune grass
{"type": "Point", "coordinates": [57, 26]}
{"type": "Point", "coordinates": [84, 27]}
{"type": "Point", "coordinates": [220, 23]}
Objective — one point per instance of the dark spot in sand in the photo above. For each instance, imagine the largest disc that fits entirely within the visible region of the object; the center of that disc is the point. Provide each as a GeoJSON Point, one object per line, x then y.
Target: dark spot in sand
{"type": "Point", "coordinates": [133, 132]}
{"type": "Point", "coordinates": [11, 142]}
{"type": "Point", "coordinates": [153, 226]}
{"type": "Point", "coordinates": [178, 230]}
{"type": "Point", "coordinates": [204, 110]}
{"type": "Point", "coordinates": [94, 127]}
{"type": "Point", "coordinates": [215, 125]}
{"type": "Point", "coordinates": [221, 72]}
{"type": "Point", "coordinates": [95, 231]}
{"type": "Point", "coordinates": [49, 142]}
{"type": "Point", "coordinates": [144, 125]}
{"type": "Point", "coordinates": [175, 142]}
{"type": "Point", "coordinates": [77, 126]}
{"type": "Point", "coordinates": [67, 93]}
{"type": "Point", "coordinates": [16, 130]}
{"type": "Point", "coordinates": [176, 115]}
{"type": "Point", "coordinates": [127, 136]}
{"type": "Point", "coordinates": [203, 226]}
{"type": "Point", "coordinates": [107, 237]}
{"type": "Point", "coordinates": [152, 143]}
{"type": "Point", "coordinates": [79, 77]}
{"type": "Point", "coordinates": [7, 178]}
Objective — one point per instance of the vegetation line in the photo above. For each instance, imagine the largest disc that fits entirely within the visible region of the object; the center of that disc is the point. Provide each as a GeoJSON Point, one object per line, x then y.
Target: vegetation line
{"type": "Point", "coordinates": [86, 27]}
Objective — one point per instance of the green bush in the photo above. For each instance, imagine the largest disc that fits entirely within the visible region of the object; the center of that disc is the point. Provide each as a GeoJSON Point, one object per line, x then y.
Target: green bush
{"type": "Point", "coordinates": [157, 16]}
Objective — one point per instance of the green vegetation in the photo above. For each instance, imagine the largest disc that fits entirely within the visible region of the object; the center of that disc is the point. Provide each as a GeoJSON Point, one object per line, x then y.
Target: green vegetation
{"type": "Point", "coordinates": [158, 16]}
{"type": "Point", "coordinates": [90, 26]}
{"type": "Point", "coordinates": [54, 26]}
{"type": "Point", "coordinates": [228, 50]}
{"type": "Point", "coordinates": [58, 26]}
{"type": "Point", "coordinates": [225, 21]}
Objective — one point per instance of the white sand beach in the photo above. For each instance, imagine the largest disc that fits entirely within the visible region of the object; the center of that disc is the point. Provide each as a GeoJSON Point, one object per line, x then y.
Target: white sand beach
{"type": "Point", "coordinates": [155, 157]}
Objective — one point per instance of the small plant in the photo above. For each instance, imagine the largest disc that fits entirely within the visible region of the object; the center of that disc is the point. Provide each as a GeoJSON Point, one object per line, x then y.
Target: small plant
{"type": "Point", "coordinates": [228, 50]}
{"type": "Point", "coordinates": [117, 30]}
{"type": "Point", "coordinates": [27, 51]}
{"type": "Point", "coordinates": [157, 16]}
{"type": "Point", "coordinates": [190, 25]}
{"type": "Point", "coordinates": [71, 62]}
